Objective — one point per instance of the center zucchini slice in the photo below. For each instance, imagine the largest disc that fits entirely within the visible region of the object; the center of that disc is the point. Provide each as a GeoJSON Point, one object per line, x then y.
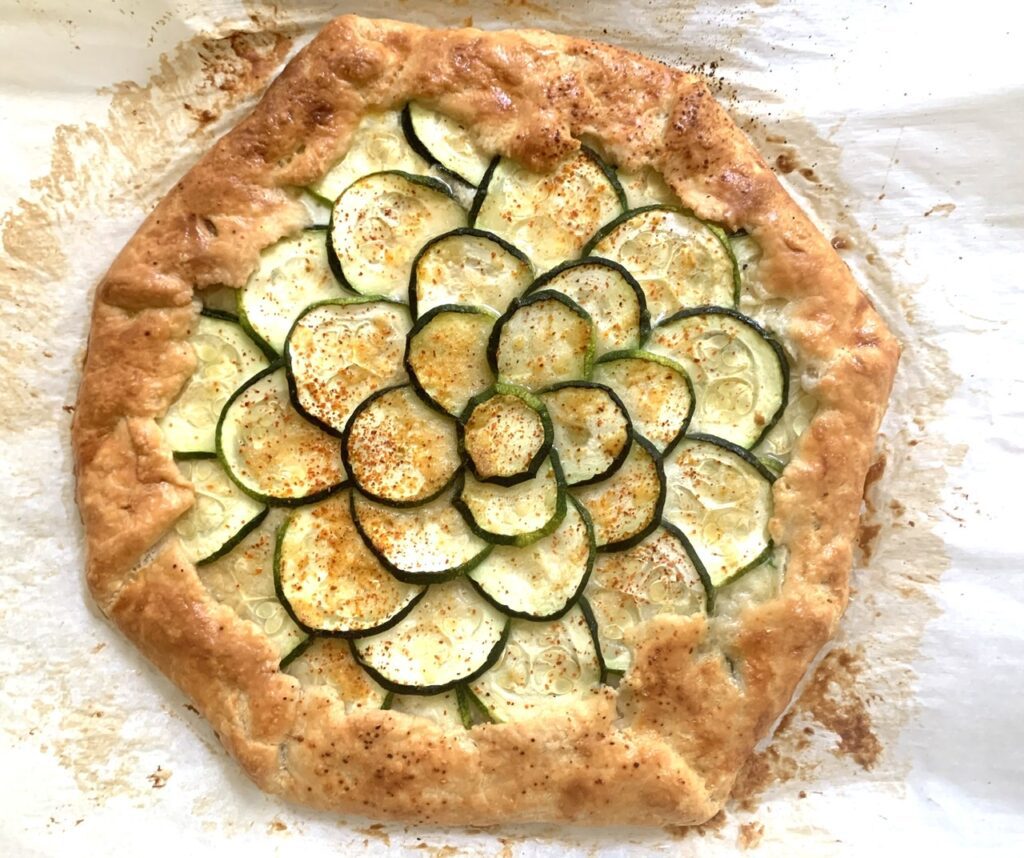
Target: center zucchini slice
{"type": "Point", "coordinates": [225, 357]}
{"type": "Point", "coordinates": [270, 450]}
{"type": "Point", "coordinates": [421, 545]}
{"type": "Point", "coordinates": [720, 496]}
{"type": "Point", "coordinates": [544, 667]}
{"type": "Point", "coordinates": [627, 506]}
{"type": "Point", "coordinates": [290, 276]}
{"type": "Point", "coordinates": [541, 581]}
{"type": "Point", "coordinates": [519, 514]}
{"type": "Point", "coordinates": [592, 429]}
{"type": "Point", "coordinates": [329, 581]}
{"type": "Point", "coordinates": [379, 224]}
{"type": "Point", "coordinates": [549, 216]}
{"type": "Point", "coordinates": [678, 260]}
{"type": "Point", "coordinates": [451, 636]}
{"type": "Point", "coordinates": [505, 433]}
{"type": "Point", "coordinates": [740, 374]}
{"type": "Point", "coordinates": [446, 355]}
{"type": "Point", "coordinates": [340, 352]}
{"type": "Point", "coordinates": [542, 339]}
{"type": "Point", "coordinates": [398, 450]}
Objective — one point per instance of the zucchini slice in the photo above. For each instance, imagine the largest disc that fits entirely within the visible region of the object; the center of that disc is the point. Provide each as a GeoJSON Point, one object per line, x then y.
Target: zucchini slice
{"type": "Point", "coordinates": [451, 636]}
{"type": "Point", "coordinates": [422, 545]}
{"type": "Point", "coordinates": [611, 296]}
{"type": "Point", "coordinates": [541, 339]}
{"type": "Point", "coordinates": [541, 581]}
{"type": "Point", "coordinates": [270, 450]}
{"type": "Point", "coordinates": [515, 515]}
{"type": "Point", "coordinates": [659, 575]}
{"type": "Point", "coordinates": [544, 667]}
{"type": "Point", "coordinates": [377, 144]}
{"type": "Point", "coordinates": [243, 579]}
{"type": "Point", "coordinates": [441, 140]}
{"type": "Point", "coordinates": [646, 188]}
{"type": "Point", "coordinates": [290, 276]}
{"type": "Point", "coordinates": [446, 355]}
{"type": "Point", "coordinates": [340, 352]}
{"type": "Point", "coordinates": [657, 393]}
{"type": "Point", "coordinates": [449, 709]}
{"type": "Point", "coordinates": [720, 496]}
{"type": "Point", "coordinates": [592, 429]}
{"type": "Point", "coordinates": [400, 451]}
{"type": "Point", "coordinates": [468, 266]}
{"type": "Point", "coordinates": [627, 506]}
{"type": "Point", "coordinates": [550, 215]}
{"type": "Point", "coordinates": [378, 226]}
{"type": "Point", "coordinates": [220, 301]}
{"type": "Point", "coordinates": [329, 581]}
{"type": "Point", "coordinates": [505, 434]}
{"type": "Point", "coordinates": [225, 357]}
{"type": "Point", "coordinates": [329, 662]}
{"type": "Point", "coordinates": [678, 260]}
{"type": "Point", "coordinates": [221, 516]}
{"type": "Point", "coordinates": [740, 374]}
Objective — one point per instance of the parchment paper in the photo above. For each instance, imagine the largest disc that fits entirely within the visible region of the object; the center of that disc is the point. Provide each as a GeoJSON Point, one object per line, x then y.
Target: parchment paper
{"type": "Point", "coordinates": [899, 127]}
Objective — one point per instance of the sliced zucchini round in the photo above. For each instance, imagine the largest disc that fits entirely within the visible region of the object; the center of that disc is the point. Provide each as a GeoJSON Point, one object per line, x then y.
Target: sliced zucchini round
{"type": "Point", "coordinates": [449, 709]}
{"type": "Point", "coordinates": [451, 636]}
{"type": "Point", "coordinates": [329, 581]}
{"type": "Point", "coordinates": [398, 450]}
{"type": "Point", "coordinates": [505, 434]}
{"type": "Point", "coordinates": [541, 581]}
{"type": "Point", "coordinates": [656, 391]}
{"type": "Point", "coordinates": [221, 516]}
{"type": "Point", "coordinates": [441, 140]}
{"type": "Point", "coordinates": [549, 216]}
{"type": "Point", "coordinates": [378, 226]}
{"type": "Point", "coordinates": [270, 450]}
{"type": "Point", "coordinates": [720, 496]}
{"type": "Point", "coordinates": [225, 357]}
{"type": "Point", "coordinates": [243, 579]}
{"type": "Point", "coordinates": [377, 144]}
{"type": "Point", "coordinates": [544, 667]}
{"type": "Point", "coordinates": [329, 662]}
{"type": "Point", "coordinates": [446, 355]}
{"type": "Point", "coordinates": [469, 267]}
{"type": "Point", "coordinates": [662, 574]}
{"type": "Point", "coordinates": [340, 352]}
{"type": "Point", "coordinates": [740, 374]}
{"type": "Point", "coordinates": [678, 260]}
{"type": "Point", "coordinates": [290, 276]}
{"type": "Point", "coordinates": [611, 296]}
{"type": "Point", "coordinates": [541, 339]}
{"type": "Point", "coordinates": [627, 506]}
{"type": "Point", "coordinates": [220, 301]}
{"type": "Point", "coordinates": [592, 429]}
{"type": "Point", "coordinates": [515, 515]}
{"type": "Point", "coordinates": [421, 545]}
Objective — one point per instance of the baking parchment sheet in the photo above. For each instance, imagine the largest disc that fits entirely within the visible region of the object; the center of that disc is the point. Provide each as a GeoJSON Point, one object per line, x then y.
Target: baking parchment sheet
{"type": "Point", "coordinates": [899, 127]}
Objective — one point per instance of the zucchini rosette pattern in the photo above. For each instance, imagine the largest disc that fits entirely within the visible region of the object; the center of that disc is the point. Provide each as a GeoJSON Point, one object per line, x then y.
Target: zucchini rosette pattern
{"type": "Point", "coordinates": [452, 447]}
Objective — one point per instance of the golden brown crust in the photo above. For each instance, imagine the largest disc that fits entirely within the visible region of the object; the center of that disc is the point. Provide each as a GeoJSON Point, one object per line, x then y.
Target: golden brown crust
{"type": "Point", "coordinates": [672, 753]}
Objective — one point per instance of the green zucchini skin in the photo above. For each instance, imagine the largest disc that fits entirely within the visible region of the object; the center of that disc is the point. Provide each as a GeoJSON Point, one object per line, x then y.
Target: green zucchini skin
{"type": "Point", "coordinates": [620, 457]}
{"type": "Point", "coordinates": [588, 615]}
{"type": "Point", "coordinates": [742, 452]}
{"type": "Point", "coordinates": [776, 346]}
{"type": "Point", "coordinates": [270, 500]}
{"type": "Point", "coordinates": [470, 232]}
{"type": "Point", "coordinates": [295, 652]}
{"type": "Point", "coordinates": [421, 149]}
{"type": "Point", "coordinates": [544, 282]}
{"type": "Point", "coordinates": [698, 564]}
{"type": "Point", "coordinates": [534, 402]}
{"type": "Point", "coordinates": [573, 599]}
{"type": "Point", "coordinates": [245, 530]}
{"type": "Point", "coordinates": [332, 633]}
{"type": "Point", "coordinates": [609, 174]}
{"type": "Point", "coordinates": [224, 316]}
{"type": "Point", "coordinates": [414, 577]}
{"type": "Point", "coordinates": [481, 191]}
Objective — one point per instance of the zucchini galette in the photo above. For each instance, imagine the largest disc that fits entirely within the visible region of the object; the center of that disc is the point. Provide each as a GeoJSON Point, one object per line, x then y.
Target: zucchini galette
{"type": "Point", "coordinates": [477, 433]}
